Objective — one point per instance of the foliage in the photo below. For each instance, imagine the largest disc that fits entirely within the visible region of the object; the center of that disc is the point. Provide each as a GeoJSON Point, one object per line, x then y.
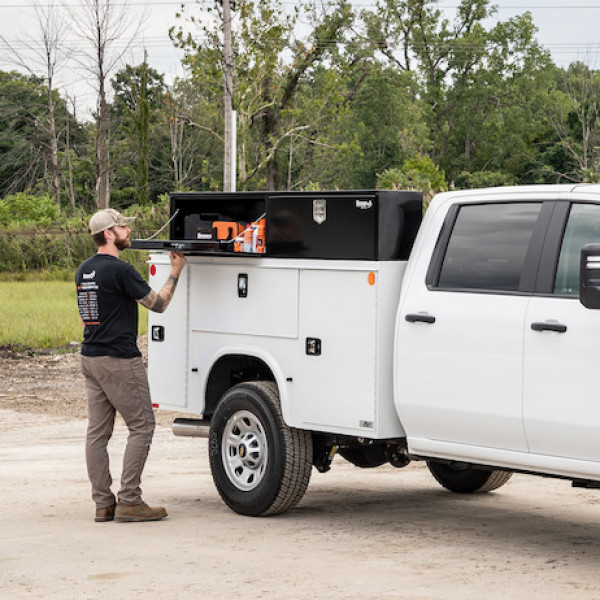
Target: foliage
{"type": "Point", "coordinates": [23, 207]}
{"type": "Point", "coordinates": [272, 125]}
{"type": "Point", "coordinates": [139, 95]}
{"type": "Point", "coordinates": [402, 94]}
{"type": "Point", "coordinates": [417, 173]}
{"type": "Point", "coordinates": [481, 179]}
{"type": "Point", "coordinates": [64, 243]}
{"type": "Point", "coordinates": [22, 106]}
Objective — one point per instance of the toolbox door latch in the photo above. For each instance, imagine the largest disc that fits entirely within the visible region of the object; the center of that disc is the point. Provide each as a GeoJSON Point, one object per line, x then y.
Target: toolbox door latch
{"type": "Point", "coordinates": [158, 333]}
{"type": "Point", "coordinates": [243, 285]}
{"type": "Point", "coordinates": [313, 346]}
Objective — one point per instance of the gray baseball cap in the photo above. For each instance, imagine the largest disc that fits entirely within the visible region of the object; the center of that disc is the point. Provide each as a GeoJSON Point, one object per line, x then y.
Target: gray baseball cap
{"type": "Point", "coordinates": [107, 218]}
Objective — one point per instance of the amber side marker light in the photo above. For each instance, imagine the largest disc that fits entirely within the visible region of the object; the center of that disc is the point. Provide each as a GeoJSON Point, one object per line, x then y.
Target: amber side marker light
{"type": "Point", "coordinates": [371, 278]}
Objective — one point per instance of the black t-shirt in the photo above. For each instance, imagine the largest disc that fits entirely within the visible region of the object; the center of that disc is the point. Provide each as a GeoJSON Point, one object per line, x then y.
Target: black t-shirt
{"type": "Point", "coordinates": [107, 290]}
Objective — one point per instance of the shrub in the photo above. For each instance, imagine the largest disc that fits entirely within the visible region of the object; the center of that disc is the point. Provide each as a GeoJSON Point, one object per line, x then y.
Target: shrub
{"type": "Point", "coordinates": [49, 242]}
{"type": "Point", "coordinates": [482, 179]}
{"type": "Point", "coordinates": [417, 173]}
{"type": "Point", "coordinates": [24, 207]}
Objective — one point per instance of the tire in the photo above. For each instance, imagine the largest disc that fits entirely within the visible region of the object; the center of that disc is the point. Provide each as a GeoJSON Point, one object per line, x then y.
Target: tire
{"type": "Point", "coordinates": [462, 479]}
{"type": "Point", "coordinates": [260, 466]}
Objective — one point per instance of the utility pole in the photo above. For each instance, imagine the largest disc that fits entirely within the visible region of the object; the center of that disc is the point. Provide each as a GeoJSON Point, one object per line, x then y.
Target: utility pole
{"type": "Point", "coordinates": [229, 162]}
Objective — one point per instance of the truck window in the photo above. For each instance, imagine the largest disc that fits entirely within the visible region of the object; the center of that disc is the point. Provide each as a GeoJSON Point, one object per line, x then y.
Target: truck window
{"type": "Point", "coordinates": [583, 227]}
{"type": "Point", "coordinates": [487, 246]}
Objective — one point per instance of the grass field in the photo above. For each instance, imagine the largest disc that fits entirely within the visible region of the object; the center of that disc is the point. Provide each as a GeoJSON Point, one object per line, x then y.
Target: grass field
{"type": "Point", "coordinates": [42, 314]}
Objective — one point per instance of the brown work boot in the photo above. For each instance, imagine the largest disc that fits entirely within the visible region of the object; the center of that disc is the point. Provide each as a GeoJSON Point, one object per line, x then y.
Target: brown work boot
{"type": "Point", "coordinates": [106, 513]}
{"type": "Point", "coordinates": [138, 512]}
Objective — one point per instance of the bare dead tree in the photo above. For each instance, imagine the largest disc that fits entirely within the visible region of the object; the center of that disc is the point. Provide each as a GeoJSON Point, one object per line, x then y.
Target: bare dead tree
{"type": "Point", "coordinates": [44, 53]}
{"type": "Point", "coordinates": [67, 154]}
{"type": "Point", "coordinates": [108, 31]}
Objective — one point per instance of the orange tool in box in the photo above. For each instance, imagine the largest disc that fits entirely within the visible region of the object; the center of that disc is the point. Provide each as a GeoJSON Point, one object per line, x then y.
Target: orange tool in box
{"type": "Point", "coordinates": [227, 230]}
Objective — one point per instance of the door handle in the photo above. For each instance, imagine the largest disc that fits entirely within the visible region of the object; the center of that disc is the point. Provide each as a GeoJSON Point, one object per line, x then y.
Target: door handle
{"type": "Point", "coordinates": [420, 318]}
{"type": "Point", "coordinates": [549, 326]}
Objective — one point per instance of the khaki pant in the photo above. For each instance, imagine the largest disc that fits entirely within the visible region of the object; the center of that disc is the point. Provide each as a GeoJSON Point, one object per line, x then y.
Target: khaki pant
{"type": "Point", "coordinates": [117, 384]}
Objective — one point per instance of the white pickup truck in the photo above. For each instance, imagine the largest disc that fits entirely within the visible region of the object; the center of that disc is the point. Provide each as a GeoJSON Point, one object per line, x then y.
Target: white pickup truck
{"type": "Point", "coordinates": [472, 347]}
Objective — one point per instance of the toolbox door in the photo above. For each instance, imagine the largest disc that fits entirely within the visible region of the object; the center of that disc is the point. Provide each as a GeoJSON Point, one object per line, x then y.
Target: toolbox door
{"type": "Point", "coordinates": [244, 300]}
{"type": "Point", "coordinates": [168, 339]}
{"type": "Point", "coordinates": [334, 385]}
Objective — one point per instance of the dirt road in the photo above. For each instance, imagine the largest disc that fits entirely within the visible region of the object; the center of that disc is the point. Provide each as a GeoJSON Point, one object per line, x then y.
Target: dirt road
{"type": "Point", "coordinates": [380, 533]}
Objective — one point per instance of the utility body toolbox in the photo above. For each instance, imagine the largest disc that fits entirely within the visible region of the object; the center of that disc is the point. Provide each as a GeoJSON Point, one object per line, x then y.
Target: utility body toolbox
{"type": "Point", "coordinates": [356, 225]}
{"type": "Point", "coordinates": [317, 303]}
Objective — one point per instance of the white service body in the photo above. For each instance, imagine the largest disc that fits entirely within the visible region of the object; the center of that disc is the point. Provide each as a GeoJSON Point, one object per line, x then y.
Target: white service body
{"type": "Point", "coordinates": [346, 390]}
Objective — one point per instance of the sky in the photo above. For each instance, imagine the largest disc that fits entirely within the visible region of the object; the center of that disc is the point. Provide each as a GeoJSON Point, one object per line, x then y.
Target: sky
{"type": "Point", "coordinates": [570, 32]}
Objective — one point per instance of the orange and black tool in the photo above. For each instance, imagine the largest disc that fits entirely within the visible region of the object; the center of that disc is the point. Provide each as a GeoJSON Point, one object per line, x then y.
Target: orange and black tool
{"type": "Point", "coordinates": [227, 230]}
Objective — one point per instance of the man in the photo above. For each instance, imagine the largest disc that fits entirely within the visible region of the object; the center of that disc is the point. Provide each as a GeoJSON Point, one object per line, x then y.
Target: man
{"type": "Point", "coordinates": [107, 291]}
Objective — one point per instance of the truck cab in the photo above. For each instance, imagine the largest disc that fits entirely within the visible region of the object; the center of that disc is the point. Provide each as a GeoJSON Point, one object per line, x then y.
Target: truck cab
{"type": "Point", "coordinates": [507, 348]}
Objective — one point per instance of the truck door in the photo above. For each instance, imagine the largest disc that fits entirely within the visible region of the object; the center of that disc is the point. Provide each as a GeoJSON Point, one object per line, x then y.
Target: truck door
{"type": "Point", "coordinates": [562, 345]}
{"type": "Point", "coordinates": [459, 342]}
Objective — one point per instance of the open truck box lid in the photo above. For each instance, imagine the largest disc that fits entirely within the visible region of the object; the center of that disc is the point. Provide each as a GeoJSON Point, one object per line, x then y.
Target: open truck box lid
{"type": "Point", "coordinates": [343, 225]}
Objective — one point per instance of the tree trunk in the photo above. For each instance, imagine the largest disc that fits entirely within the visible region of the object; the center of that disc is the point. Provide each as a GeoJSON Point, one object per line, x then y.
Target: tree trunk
{"type": "Point", "coordinates": [68, 152]}
{"type": "Point", "coordinates": [102, 157]}
{"type": "Point", "coordinates": [143, 151]}
{"type": "Point", "coordinates": [468, 142]}
{"type": "Point", "coordinates": [53, 146]}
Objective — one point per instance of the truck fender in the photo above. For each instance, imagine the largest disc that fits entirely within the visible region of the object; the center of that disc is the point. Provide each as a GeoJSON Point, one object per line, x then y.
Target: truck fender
{"type": "Point", "coordinates": [257, 353]}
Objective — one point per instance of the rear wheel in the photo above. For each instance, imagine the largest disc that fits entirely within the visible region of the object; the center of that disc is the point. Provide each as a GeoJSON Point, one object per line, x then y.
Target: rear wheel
{"type": "Point", "coordinates": [462, 479]}
{"type": "Point", "coordinates": [260, 466]}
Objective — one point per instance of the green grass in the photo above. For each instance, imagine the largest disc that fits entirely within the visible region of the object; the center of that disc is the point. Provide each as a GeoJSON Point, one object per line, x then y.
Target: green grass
{"type": "Point", "coordinates": [42, 314]}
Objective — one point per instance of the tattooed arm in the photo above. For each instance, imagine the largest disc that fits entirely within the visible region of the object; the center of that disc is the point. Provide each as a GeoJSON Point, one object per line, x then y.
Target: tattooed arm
{"type": "Point", "coordinates": [158, 302]}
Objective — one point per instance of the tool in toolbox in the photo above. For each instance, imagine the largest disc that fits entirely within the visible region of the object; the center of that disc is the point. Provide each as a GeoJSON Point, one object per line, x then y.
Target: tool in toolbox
{"type": "Point", "coordinates": [201, 232]}
{"type": "Point", "coordinates": [252, 239]}
{"type": "Point", "coordinates": [227, 230]}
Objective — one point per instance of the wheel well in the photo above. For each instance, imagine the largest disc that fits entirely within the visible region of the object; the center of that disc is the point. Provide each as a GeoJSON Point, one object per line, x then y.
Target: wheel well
{"type": "Point", "coordinates": [231, 370]}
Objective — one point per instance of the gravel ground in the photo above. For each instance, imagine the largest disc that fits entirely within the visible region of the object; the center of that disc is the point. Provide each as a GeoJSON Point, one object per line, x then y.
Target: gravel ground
{"type": "Point", "coordinates": [50, 382]}
{"type": "Point", "coordinates": [357, 534]}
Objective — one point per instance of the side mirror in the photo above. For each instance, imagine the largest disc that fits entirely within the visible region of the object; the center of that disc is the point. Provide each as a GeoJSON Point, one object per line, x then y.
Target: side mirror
{"type": "Point", "coordinates": [589, 276]}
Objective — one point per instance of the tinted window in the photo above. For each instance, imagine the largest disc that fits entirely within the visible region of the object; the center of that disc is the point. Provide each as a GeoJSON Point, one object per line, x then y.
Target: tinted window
{"type": "Point", "coordinates": [488, 245]}
{"type": "Point", "coordinates": [583, 227]}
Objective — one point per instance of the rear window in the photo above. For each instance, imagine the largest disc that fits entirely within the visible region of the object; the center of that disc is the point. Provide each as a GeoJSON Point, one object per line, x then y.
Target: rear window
{"type": "Point", "coordinates": [488, 246]}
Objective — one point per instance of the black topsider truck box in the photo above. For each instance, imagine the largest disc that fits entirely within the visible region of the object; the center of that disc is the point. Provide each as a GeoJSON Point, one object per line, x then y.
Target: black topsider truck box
{"type": "Point", "coordinates": [341, 225]}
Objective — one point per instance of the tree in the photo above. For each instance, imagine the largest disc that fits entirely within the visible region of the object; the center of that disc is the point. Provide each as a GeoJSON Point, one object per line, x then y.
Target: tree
{"type": "Point", "coordinates": [139, 91]}
{"type": "Point", "coordinates": [44, 53]}
{"type": "Point", "coordinates": [105, 27]}
{"type": "Point", "coordinates": [22, 107]}
{"type": "Point", "coordinates": [388, 120]}
{"type": "Point", "coordinates": [192, 126]}
{"type": "Point", "coordinates": [576, 121]}
{"type": "Point", "coordinates": [417, 173]}
{"type": "Point", "coordinates": [271, 63]}
{"type": "Point", "coordinates": [24, 135]}
{"type": "Point", "coordinates": [452, 57]}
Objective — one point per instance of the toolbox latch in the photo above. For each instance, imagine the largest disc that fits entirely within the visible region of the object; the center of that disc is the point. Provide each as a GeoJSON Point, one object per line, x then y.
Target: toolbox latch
{"type": "Point", "coordinates": [243, 285]}
{"type": "Point", "coordinates": [313, 346]}
{"type": "Point", "coordinates": [158, 333]}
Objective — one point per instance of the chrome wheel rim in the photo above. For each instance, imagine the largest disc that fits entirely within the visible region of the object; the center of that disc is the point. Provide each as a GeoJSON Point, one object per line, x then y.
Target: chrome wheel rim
{"type": "Point", "coordinates": [244, 450]}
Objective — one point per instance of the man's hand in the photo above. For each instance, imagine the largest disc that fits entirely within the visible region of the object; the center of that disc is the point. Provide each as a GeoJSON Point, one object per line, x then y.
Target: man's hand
{"type": "Point", "coordinates": [178, 261]}
{"type": "Point", "coordinates": [159, 302]}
